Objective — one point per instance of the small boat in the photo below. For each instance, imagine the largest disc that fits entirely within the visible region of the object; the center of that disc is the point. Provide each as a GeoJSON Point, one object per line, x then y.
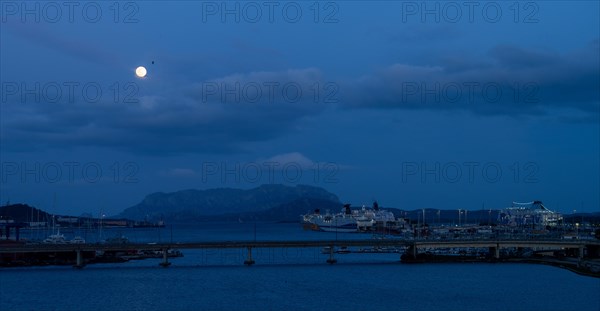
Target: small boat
{"type": "Point", "coordinates": [57, 238]}
{"type": "Point", "coordinates": [343, 250]}
{"type": "Point", "coordinates": [382, 250]}
{"type": "Point", "coordinates": [326, 250]}
{"type": "Point", "coordinates": [117, 240]}
{"type": "Point", "coordinates": [77, 240]}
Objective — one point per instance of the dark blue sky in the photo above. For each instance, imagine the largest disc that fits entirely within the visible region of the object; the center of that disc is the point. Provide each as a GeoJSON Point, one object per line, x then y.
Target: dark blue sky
{"type": "Point", "coordinates": [415, 104]}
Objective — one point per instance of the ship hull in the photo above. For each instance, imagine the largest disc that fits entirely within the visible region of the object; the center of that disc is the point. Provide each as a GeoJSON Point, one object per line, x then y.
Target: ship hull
{"type": "Point", "coordinates": [338, 229]}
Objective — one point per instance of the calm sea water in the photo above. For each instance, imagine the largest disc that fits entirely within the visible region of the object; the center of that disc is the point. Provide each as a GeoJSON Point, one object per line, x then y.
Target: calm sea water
{"type": "Point", "coordinates": [288, 279]}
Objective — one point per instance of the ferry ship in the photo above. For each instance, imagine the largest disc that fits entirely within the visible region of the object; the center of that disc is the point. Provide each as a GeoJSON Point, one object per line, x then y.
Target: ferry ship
{"type": "Point", "coordinates": [359, 220]}
{"type": "Point", "coordinates": [341, 222]}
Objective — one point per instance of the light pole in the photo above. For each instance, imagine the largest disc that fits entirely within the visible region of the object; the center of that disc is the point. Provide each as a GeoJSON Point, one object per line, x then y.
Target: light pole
{"type": "Point", "coordinates": [419, 225]}
{"type": "Point", "coordinates": [459, 211]}
{"type": "Point", "coordinates": [424, 222]}
{"type": "Point", "coordinates": [101, 220]}
{"type": "Point", "coordinates": [581, 220]}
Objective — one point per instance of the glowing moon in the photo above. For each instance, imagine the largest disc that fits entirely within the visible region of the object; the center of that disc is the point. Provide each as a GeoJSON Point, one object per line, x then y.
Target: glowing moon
{"type": "Point", "coordinates": [140, 71]}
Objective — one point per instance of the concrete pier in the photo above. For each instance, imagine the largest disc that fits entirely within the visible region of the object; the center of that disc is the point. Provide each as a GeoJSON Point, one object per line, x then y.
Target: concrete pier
{"type": "Point", "coordinates": [331, 260]}
{"type": "Point", "coordinates": [79, 262]}
{"type": "Point", "coordinates": [412, 250]}
{"type": "Point", "coordinates": [165, 262]}
{"type": "Point", "coordinates": [495, 251]}
{"type": "Point", "coordinates": [249, 261]}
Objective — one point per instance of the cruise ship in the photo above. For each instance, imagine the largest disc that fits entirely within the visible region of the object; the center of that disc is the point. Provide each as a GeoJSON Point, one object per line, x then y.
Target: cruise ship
{"type": "Point", "coordinates": [340, 222]}
{"type": "Point", "coordinates": [531, 213]}
{"type": "Point", "coordinates": [358, 220]}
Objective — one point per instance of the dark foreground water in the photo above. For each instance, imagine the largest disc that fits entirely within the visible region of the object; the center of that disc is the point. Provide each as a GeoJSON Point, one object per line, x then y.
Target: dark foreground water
{"type": "Point", "coordinates": [290, 280]}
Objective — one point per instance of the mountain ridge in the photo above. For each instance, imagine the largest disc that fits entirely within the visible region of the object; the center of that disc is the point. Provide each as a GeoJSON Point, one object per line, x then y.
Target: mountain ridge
{"type": "Point", "coordinates": [193, 204]}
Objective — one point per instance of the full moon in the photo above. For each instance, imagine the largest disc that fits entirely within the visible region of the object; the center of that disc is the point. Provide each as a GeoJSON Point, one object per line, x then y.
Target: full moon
{"type": "Point", "coordinates": [140, 72]}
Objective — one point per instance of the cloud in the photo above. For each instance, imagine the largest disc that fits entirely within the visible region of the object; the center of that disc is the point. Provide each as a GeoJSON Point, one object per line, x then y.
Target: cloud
{"type": "Point", "coordinates": [87, 50]}
{"type": "Point", "coordinates": [420, 33]}
{"type": "Point", "coordinates": [512, 81]}
{"type": "Point", "coordinates": [515, 57]}
{"type": "Point", "coordinates": [179, 172]}
{"type": "Point", "coordinates": [293, 158]}
{"type": "Point", "coordinates": [225, 114]}
{"type": "Point", "coordinates": [218, 115]}
{"type": "Point", "coordinates": [298, 159]}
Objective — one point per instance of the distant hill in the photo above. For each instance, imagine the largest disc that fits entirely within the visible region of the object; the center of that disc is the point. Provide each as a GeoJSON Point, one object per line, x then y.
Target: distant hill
{"type": "Point", "coordinates": [23, 213]}
{"type": "Point", "coordinates": [266, 201]}
{"type": "Point", "coordinates": [273, 203]}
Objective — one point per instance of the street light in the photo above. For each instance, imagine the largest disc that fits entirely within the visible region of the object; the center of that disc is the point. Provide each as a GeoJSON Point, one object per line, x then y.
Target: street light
{"type": "Point", "coordinates": [102, 215]}
{"type": "Point", "coordinates": [423, 227]}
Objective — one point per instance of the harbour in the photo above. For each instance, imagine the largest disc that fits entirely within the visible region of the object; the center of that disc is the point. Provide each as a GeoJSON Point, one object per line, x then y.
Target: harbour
{"type": "Point", "coordinates": [297, 278]}
{"type": "Point", "coordinates": [525, 232]}
{"type": "Point", "coordinates": [581, 256]}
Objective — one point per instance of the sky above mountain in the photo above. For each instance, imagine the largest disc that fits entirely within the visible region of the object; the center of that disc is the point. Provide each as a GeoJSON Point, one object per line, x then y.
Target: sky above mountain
{"type": "Point", "coordinates": [416, 104]}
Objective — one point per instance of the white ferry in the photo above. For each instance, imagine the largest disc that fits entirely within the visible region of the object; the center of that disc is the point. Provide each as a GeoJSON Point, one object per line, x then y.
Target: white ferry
{"type": "Point", "coordinates": [341, 222]}
{"type": "Point", "coordinates": [348, 220]}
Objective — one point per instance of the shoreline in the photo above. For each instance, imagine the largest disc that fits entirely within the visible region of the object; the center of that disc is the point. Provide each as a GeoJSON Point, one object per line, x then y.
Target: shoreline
{"type": "Point", "coordinates": [587, 267]}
